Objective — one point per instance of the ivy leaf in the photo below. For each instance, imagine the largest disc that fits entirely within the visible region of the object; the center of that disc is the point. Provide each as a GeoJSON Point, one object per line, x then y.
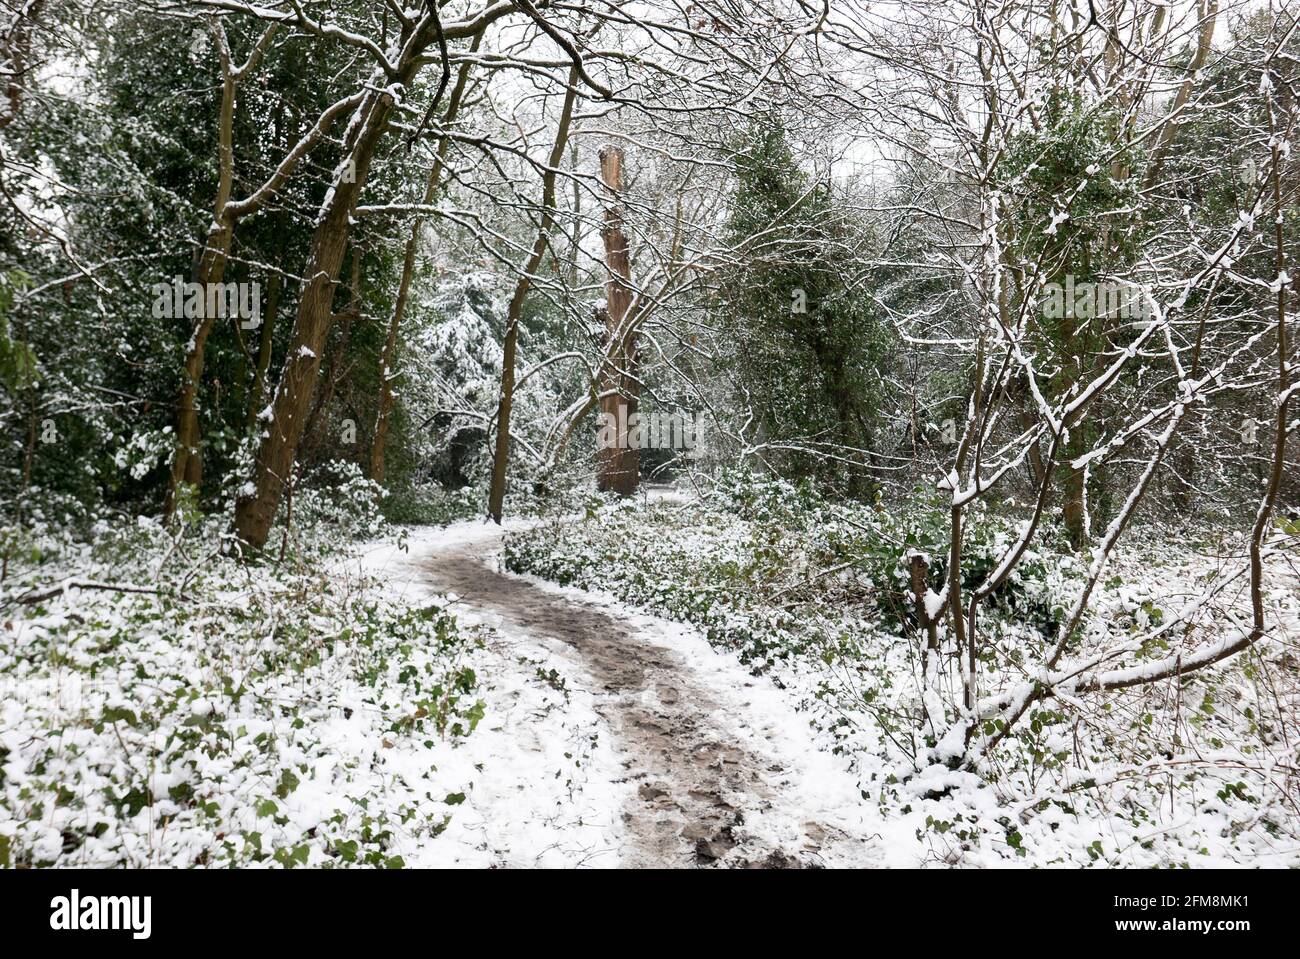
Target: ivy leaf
{"type": "Point", "coordinates": [288, 783]}
{"type": "Point", "coordinates": [119, 714]}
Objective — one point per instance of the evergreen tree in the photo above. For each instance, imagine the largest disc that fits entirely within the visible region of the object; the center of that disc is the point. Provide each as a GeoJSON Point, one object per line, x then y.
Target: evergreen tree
{"type": "Point", "coordinates": [804, 343]}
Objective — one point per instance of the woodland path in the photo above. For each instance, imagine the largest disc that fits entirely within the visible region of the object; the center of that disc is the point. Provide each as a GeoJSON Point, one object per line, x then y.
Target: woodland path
{"type": "Point", "coordinates": [713, 786]}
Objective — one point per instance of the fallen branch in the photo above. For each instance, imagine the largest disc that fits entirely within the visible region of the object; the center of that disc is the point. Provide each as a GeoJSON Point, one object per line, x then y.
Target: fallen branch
{"type": "Point", "coordinates": [29, 598]}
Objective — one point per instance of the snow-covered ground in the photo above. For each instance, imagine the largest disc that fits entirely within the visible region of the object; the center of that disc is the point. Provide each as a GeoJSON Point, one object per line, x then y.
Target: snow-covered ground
{"type": "Point", "coordinates": [542, 778]}
{"type": "Point", "coordinates": [1194, 772]}
{"type": "Point", "coordinates": [558, 775]}
{"type": "Point", "coordinates": [172, 708]}
{"type": "Point", "coordinates": [333, 714]}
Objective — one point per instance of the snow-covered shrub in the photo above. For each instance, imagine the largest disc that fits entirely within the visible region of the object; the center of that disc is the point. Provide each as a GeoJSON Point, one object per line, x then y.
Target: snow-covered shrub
{"type": "Point", "coordinates": [433, 505]}
{"type": "Point", "coordinates": [167, 705]}
{"type": "Point", "coordinates": [338, 499]}
{"type": "Point", "coordinates": [144, 451]}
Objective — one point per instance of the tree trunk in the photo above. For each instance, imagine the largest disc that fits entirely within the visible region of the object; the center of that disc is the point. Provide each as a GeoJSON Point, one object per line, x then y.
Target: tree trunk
{"type": "Point", "coordinates": [187, 465]}
{"type": "Point", "coordinates": [930, 650]}
{"type": "Point", "coordinates": [187, 462]}
{"type": "Point", "coordinates": [1074, 509]}
{"type": "Point", "coordinates": [255, 511]}
{"type": "Point", "coordinates": [501, 451]}
{"type": "Point", "coordinates": [619, 466]}
{"type": "Point", "coordinates": [15, 49]}
{"type": "Point", "coordinates": [389, 356]}
{"type": "Point", "coordinates": [257, 395]}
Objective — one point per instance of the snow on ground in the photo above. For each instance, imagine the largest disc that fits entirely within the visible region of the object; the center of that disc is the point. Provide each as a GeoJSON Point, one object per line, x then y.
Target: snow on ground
{"type": "Point", "coordinates": [542, 777]}
{"type": "Point", "coordinates": [814, 785]}
{"type": "Point", "coordinates": [1196, 773]}
{"type": "Point", "coordinates": [532, 803]}
{"type": "Point", "coordinates": [258, 716]}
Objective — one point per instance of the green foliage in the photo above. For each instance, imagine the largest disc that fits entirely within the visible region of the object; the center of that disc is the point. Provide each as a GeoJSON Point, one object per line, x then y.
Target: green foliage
{"type": "Point", "coordinates": [1075, 213]}
{"type": "Point", "coordinates": [432, 505]}
{"type": "Point", "coordinates": [739, 584]}
{"type": "Point", "coordinates": [18, 370]}
{"type": "Point", "coordinates": [136, 186]}
{"type": "Point", "coordinates": [806, 345]}
{"type": "Point", "coordinates": [240, 714]}
{"type": "Point", "coordinates": [1072, 166]}
{"type": "Point", "coordinates": [338, 501]}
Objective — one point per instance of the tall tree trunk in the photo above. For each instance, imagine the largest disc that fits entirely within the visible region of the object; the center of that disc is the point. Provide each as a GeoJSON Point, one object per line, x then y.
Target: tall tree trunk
{"type": "Point", "coordinates": [255, 511]}
{"type": "Point", "coordinates": [388, 357]}
{"type": "Point", "coordinates": [211, 268]}
{"type": "Point", "coordinates": [1208, 13]}
{"type": "Point", "coordinates": [187, 463]}
{"type": "Point", "coordinates": [15, 50]}
{"type": "Point", "coordinates": [619, 466]}
{"type": "Point", "coordinates": [338, 365]}
{"type": "Point", "coordinates": [501, 450]}
{"type": "Point", "coordinates": [1074, 509]}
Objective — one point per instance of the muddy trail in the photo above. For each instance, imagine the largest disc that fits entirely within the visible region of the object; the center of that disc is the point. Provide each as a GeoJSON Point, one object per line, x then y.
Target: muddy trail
{"type": "Point", "coordinates": [695, 781]}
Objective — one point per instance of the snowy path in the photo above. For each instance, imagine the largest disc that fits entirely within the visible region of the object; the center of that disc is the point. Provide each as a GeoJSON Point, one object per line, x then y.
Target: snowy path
{"type": "Point", "coordinates": [692, 761]}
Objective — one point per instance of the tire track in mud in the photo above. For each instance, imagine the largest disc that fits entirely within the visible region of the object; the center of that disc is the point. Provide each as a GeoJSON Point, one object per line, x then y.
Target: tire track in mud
{"type": "Point", "coordinates": [695, 783]}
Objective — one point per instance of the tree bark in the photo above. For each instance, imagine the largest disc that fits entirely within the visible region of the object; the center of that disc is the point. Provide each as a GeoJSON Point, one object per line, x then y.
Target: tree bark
{"type": "Point", "coordinates": [501, 450]}
{"type": "Point", "coordinates": [255, 511]}
{"type": "Point", "coordinates": [187, 463]}
{"type": "Point", "coordinates": [930, 650]}
{"type": "Point", "coordinates": [15, 51]}
{"type": "Point", "coordinates": [1209, 15]}
{"type": "Point", "coordinates": [1074, 508]}
{"type": "Point", "coordinates": [338, 365]}
{"type": "Point", "coordinates": [257, 394]}
{"type": "Point", "coordinates": [619, 466]}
